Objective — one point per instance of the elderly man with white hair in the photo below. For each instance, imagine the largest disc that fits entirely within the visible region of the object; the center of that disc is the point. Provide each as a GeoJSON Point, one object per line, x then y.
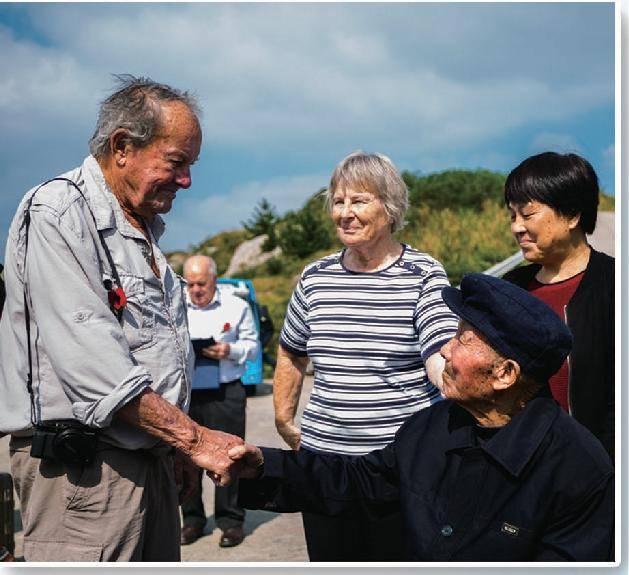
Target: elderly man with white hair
{"type": "Point", "coordinates": [95, 356]}
{"type": "Point", "coordinates": [224, 333]}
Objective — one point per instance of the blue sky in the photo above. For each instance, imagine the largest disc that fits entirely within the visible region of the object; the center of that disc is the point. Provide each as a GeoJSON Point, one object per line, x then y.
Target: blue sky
{"type": "Point", "coordinates": [289, 89]}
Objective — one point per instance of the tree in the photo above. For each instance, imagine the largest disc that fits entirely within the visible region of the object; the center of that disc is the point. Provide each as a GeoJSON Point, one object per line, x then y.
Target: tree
{"type": "Point", "coordinates": [460, 188]}
{"type": "Point", "coordinates": [263, 221]}
{"type": "Point", "coordinates": [308, 230]}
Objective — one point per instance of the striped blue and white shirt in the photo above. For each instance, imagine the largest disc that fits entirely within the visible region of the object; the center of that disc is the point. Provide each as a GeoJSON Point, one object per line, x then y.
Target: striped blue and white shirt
{"type": "Point", "coordinates": [367, 335]}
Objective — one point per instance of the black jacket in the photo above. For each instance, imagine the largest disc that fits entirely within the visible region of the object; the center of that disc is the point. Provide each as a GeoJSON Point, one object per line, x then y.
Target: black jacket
{"type": "Point", "coordinates": [590, 315]}
{"type": "Point", "coordinates": [540, 489]}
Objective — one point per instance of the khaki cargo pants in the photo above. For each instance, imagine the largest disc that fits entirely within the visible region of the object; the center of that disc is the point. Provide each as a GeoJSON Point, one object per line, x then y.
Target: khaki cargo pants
{"type": "Point", "coordinates": [121, 507]}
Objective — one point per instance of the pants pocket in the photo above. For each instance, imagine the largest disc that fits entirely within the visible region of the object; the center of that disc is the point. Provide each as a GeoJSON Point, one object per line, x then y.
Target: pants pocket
{"type": "Point", "coordinates": [60, 551]}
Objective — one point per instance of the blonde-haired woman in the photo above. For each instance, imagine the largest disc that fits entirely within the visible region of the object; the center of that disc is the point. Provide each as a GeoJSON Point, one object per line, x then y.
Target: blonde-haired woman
{"type": "Point", "coordinates": [372, 320]}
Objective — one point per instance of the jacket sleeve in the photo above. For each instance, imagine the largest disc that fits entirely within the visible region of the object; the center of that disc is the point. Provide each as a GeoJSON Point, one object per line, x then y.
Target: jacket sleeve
{"type": "Point", "coordinates": [333, 485]}
{"type": "Point", "coordinates": [584, 531]}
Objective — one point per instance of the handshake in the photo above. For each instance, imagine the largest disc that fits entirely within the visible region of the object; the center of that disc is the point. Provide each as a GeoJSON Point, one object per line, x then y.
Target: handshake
{"type": "Point", "coordinates": [225, 457]}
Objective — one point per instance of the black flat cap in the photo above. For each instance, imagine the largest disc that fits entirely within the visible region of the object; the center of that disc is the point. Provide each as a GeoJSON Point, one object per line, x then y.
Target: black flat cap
{"type": "Point", "coordinates": [517, 324]}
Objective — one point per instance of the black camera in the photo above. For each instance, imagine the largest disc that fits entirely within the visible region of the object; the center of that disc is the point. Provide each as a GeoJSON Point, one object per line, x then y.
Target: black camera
{"type": "Point", "coordinates": [65, 441]}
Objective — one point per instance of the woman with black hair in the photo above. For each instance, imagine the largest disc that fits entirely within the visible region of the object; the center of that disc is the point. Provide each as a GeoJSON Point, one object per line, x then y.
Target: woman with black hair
{"type": "Point", "coordinates": [553, 201]}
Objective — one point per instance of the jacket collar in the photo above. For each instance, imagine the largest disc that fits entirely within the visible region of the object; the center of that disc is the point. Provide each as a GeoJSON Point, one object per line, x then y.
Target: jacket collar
{"type": "Point", "coordinates": [107, 211]}
{"type": "Point", "coordinates": [595, 272]}
{"type": "Point", "coordinates": [516, 443]}
{"type": "Point", "coordinates": [593, 269]}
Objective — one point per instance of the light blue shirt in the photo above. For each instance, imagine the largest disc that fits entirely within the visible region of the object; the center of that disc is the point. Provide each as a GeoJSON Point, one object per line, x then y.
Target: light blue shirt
{"type": "Point", "coordinates": [85, 364]}
{"type": "Point", "coordinates": [227, 318]}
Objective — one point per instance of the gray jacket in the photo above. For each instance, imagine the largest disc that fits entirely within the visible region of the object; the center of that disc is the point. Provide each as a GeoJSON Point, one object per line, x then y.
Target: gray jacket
{"type": "Point", "coordinates": [86, 365]}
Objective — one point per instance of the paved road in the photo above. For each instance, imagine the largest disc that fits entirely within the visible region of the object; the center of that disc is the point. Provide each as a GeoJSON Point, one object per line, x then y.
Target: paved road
{"type": "Point", "coordinates": [270, 536]}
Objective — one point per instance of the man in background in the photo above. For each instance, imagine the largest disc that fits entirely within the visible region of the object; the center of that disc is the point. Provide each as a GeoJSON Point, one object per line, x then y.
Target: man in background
{"type": "Point", "coordinates": [218, 396]}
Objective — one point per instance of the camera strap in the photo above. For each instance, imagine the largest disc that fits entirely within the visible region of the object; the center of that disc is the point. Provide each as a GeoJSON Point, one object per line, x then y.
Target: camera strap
{"type": "Point", "coordinates": [117, 311]}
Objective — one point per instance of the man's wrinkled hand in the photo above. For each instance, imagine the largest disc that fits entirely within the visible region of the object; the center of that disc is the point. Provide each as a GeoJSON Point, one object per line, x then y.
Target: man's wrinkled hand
{"type": "Point", "coordinates": [210, 453]}
{"type": "Point", "coordinates": [290, 433]}
{"type": "Point", "coordinates": [248, 461]}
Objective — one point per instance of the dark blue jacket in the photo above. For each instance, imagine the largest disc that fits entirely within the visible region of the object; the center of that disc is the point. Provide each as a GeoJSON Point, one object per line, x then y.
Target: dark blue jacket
{"type": "Point", "coordinates": [540, 489]}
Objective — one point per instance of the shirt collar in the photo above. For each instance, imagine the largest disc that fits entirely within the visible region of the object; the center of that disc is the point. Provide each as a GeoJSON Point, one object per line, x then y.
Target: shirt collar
{"type": "Point", "coordinates": [514, 445]}
{"type": "Point", "coordinates": [106, 208]}
{"type": "Point", "coordinates": [213, 302]}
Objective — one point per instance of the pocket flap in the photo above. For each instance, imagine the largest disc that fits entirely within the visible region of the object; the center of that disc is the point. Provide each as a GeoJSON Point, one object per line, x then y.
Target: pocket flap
{"type": "Point", "coordinates": [60, 551]}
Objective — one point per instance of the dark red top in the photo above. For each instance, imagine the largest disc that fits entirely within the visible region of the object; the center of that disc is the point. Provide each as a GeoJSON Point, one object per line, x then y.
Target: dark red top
{"type": "Point", "coordinates": [557, 295]}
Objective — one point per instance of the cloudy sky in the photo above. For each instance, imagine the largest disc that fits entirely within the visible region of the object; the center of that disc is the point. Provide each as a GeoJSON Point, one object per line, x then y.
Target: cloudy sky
{"type": "Point", "coordinates": [289, 89]}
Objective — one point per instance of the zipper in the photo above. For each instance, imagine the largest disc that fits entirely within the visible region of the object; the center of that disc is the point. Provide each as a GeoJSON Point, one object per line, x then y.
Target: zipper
{"type": "Point", "coordinates": [565, 317]}
{"type": "Point", "coordinates": [184, 388]}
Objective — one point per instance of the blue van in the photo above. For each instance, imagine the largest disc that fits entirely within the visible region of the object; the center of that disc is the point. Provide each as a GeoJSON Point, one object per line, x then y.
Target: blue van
{"type": "Point", "coordinates": [244, 289]}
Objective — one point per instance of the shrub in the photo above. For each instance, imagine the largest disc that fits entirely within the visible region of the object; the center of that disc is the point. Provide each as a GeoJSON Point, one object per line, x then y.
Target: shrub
{"type": "Point", "coordinates": [461, 188]}
{"type": "Point", "coordinates": [462, 239]}
{"type": "Point", "coordinates": [275, 266]}
{"type": "Point", "coordinates": [263, 221]}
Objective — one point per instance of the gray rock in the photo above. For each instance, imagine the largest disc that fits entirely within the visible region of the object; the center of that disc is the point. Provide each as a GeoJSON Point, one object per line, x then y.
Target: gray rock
{"type": "Point", "coordinates": [249, 254]}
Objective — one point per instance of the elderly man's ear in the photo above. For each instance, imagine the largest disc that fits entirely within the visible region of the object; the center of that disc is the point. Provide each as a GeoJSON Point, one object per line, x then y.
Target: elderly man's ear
{"type": "Point", "coordinates": [119, 146]}
{"type": "Point", "coordinates": [506, 373]}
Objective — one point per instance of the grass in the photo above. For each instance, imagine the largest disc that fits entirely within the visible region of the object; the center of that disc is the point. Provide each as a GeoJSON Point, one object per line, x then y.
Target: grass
{"type": "Point", "coordinates": [463, 239]}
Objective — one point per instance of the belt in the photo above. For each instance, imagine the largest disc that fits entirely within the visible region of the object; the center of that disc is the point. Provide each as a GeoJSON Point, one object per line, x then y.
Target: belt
{"type": "Point", "coordinates": [232, 382]}
{"type": "Point", "coordinates": [214, 389]}
{"type": "Point", "coordinates": [20, 442]}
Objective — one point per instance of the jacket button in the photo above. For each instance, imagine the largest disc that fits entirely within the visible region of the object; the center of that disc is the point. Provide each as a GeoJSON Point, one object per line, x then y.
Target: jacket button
{"type": "Point", "coordinates": [446, 530]}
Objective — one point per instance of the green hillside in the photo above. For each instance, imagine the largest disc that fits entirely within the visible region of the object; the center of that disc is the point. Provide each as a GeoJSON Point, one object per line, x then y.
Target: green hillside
{"type": "Point", "coordinates": [457, 216]}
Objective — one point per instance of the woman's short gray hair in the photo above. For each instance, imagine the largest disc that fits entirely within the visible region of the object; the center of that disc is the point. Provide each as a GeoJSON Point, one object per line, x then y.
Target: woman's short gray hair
{"type": "Point", "coordinates": [374, 173]}
{"type": "Point", "coordinates": [136, 107]}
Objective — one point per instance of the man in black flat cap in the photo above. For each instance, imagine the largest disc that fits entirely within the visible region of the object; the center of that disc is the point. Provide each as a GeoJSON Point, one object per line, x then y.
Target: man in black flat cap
{"type": "Point", "coordinates": [496, 472]}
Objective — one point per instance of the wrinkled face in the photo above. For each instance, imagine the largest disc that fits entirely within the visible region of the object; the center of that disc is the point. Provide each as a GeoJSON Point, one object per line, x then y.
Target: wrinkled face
{"type": "Point", "coordinates": [467, 375]}
{"type": "Point", "coordinates": [542, 233]}
{"type": "Point", "coordinates": [360, 217]}
{"type": "Point", "coordinates": [201, 286]}
{"type": "Point", "coordinates": [153, 174]}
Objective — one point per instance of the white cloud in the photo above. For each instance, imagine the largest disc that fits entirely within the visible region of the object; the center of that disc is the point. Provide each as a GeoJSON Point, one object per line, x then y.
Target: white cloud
{"type": "Point", "coordinates": [297, 72]}
{"type": "Point", "coordinates": [300, 85]}
{"type": "Point", "coordinates": [41, 88]}
{"type": "Point", "coordinates": [555, 142]}
{"type": "Point", "coordinates": [609, 155]}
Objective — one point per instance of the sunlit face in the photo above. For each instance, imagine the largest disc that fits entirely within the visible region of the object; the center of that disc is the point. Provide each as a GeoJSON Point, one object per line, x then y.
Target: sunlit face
{"type": "Point", "coordinates": [153, 174]}
{"type": "Point", "coordinates": [542, 233]}
{"type": "Point", "coordinates": [201, 286]}
{"type": "Point", "coordinates": [468, 371]}
{"type": "Point", "coordinates": [360, 217]}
